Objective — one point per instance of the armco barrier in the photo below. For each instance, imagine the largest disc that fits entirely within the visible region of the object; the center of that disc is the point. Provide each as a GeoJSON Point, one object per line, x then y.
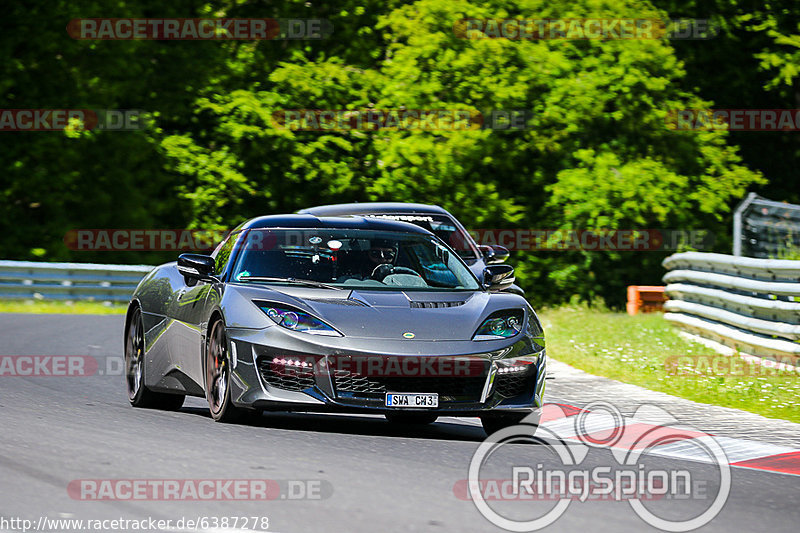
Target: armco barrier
{"type": "Point", "coordinates": [69, 281]}
{"type": "Point", "coordinates": [750, 305]}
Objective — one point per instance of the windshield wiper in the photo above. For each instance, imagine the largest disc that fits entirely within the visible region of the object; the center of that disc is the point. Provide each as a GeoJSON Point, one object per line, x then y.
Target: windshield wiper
{"type": "Point", "coordinates": [308, 282]}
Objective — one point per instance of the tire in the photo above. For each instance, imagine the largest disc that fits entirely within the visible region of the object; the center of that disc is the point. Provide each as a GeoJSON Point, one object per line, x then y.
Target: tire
{"type": "Point", "coordinates": [138, 394]}
{"type": "Point", "coordinates": [494, 423]}
{"type": "Point", "coordinates": [411, 418]}
{"type": "Point", "coordinates": [218, 376]}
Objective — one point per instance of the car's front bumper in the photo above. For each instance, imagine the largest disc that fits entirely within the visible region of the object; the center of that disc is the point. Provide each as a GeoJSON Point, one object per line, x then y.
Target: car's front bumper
{"type": "Point", "coordinates": [336, 383]}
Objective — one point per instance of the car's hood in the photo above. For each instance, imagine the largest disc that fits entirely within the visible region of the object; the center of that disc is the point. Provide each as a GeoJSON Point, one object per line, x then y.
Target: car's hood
{"type": "Point", "coordinates": [410, 315]}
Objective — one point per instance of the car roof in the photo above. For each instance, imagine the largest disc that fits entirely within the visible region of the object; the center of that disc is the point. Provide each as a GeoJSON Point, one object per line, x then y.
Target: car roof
{"type": "Point", "coordinates": [331, 222]}
{"type": "Point", "coordinates": [373, 207]}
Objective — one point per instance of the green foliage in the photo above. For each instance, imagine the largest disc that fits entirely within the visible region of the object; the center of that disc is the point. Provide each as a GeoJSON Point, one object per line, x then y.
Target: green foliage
{"type": "Point", "coordinates": [596, 152]}
{"type": "Point", "coordinates": [751, 64]}
{"type": "Point", "coordinates": [52, 182]}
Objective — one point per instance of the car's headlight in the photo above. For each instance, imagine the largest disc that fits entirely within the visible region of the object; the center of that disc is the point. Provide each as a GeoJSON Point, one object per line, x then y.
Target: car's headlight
{"type": "Point", "coordinates": [297, 320]}
{"type": "Point", "coordinates": [500, 325]}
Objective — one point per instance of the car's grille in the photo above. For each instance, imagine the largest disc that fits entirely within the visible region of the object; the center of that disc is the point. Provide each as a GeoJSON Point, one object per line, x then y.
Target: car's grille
{"type": "Point", "coordinates": [346, 381]}
{"type": "Point", "coordinates": [449, 388]}
{"type": "Point", "coordinates": [285, 378]}
{"type": "Point", "coordinates": [511, 385]}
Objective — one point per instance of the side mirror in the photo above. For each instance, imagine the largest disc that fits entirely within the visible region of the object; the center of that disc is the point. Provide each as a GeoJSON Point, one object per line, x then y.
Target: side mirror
{"type": "Point", "coordinates": [196, 267]}
{"type": "Point", "coordinates": [501, 253]}
{"type": "Point", "coordinates": [498, 277]}
{"type": "Point", "coordinates": [494, 254]}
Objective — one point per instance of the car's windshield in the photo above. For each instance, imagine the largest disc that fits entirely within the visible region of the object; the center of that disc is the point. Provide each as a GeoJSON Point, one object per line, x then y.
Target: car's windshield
{"type": "Point", "coordinates": [348, 258]}
{"type": "Point", "coordinates": [442, 226]}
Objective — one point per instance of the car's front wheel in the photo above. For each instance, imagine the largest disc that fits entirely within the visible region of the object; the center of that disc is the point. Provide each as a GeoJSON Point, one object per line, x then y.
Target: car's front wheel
{"type": "Point", "coordinates": [135, 359]}
{"type": "Point", "coordinates": [494, 423]}
{"type": "Point", "coordinates": [218, 376]}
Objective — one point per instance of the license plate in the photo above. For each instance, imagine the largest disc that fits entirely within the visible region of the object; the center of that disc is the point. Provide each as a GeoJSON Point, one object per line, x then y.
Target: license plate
{"type": "Point", "coordinates": [394, 399]}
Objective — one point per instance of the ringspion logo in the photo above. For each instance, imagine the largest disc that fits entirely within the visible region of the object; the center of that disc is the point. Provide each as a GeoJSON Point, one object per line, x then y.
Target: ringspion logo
{"type": "Point", "coordinates": [559, 471]}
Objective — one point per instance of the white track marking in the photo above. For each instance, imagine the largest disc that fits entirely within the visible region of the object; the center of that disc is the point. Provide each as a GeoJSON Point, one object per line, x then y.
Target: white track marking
{"type": "Point", "coordinates": [735, 449]}
{"type": "Point", "coordinates": [567, 427]}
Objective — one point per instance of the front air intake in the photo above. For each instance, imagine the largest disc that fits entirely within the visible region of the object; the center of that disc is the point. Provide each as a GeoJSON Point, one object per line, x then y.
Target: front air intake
{"type": "Point", "coordinates": [286, 373]}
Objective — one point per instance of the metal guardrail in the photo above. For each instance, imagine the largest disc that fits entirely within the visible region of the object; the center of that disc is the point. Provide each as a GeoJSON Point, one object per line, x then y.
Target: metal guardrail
{"type": "Point", "coordinates": [745, 267]}
{"type": "Point", "coordinates": [750, 305]}
{"type": "Point", "coordinates": [765, 228]}
{"type": "Point", "coordinates": [733, 282]}
{"type": "Point", "coordinates": [69, 281]}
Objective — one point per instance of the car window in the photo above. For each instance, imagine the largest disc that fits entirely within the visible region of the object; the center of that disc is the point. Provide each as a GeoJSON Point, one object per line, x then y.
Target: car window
{"type": "Point", "coordinates": [223, 252]}
{"type": "Point", "coordinates": [442, 226]}
{"type": "Point", "coordinates": [353, 258]}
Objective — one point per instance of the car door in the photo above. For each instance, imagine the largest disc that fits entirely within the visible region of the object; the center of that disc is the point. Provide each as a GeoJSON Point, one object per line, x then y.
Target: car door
{"type": "Point", "coordinates": [187, 329]}
{"type": "Point", "coordinates": [190, 312]}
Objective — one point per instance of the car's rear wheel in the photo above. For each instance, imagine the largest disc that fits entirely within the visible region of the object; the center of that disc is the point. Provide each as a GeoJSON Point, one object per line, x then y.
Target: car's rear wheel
{"type": "Point", "coordinates": [218, 376]}
{"type": "Point", "coordinates": [411, 418]}
{"type": "Point", "coordinates": [138, 394]}
{"type": "Point", "coordinates": [493, 423]}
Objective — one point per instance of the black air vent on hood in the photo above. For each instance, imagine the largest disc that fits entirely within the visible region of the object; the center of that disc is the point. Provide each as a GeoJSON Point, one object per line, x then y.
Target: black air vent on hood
{"type": "Point", "coordinates": [337, 301]}
{"type": "Point", "coordinates": [434, 305]}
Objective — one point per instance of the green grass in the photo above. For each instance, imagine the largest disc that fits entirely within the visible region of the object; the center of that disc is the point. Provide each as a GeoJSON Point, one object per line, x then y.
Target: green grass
{"type": "Point", "coordinates": [633, 349]}
{"type": "Point", "coordinates": [75, 308]}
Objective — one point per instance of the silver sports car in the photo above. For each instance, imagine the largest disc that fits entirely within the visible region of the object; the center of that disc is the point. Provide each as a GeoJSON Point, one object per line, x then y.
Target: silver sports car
{"type": "Point", "coordinates": [347, 314]}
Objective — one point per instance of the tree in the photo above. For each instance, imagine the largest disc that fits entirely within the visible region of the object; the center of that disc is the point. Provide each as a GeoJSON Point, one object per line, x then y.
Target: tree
{"type": "Point", "coordinates": [53, 182]}
{"type": "Point", "coordinates": [597, 152]}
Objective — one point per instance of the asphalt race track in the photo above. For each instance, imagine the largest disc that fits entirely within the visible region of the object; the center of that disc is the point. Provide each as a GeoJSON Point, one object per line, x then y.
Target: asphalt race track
{"type": "Point", "coordinates": [363, 474]}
